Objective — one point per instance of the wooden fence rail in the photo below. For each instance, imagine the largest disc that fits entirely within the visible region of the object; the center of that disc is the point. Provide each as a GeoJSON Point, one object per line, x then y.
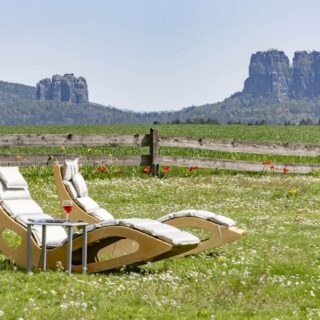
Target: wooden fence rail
{"type": "Point", "coordinates": [74, 140]}
{"type": "Point", "coordinates": [272, 148]}
{"type": "Point", "coordinates": [153, 159]}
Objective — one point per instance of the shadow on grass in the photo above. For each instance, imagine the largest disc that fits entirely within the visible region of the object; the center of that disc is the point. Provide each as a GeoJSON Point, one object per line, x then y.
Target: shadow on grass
{"type": "Point", "coordinates": [8, 265]}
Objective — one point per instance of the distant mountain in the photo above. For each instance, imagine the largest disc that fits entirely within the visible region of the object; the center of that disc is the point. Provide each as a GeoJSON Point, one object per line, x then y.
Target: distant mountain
{"type": "Point", "coordinates": [247, 109]}
{"type": "Point", "coordinates": [31, 112]}
{"type": "Point", "coordinates": [12, 92]}
{"type": "Point", "coordinates": [18, 105]}
{"type": "Point", "coordinates": [274, 93]}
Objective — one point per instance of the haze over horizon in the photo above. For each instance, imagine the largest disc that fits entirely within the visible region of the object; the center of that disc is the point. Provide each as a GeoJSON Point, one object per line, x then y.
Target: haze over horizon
{"type": "Point", "coordinates": [147, 56]}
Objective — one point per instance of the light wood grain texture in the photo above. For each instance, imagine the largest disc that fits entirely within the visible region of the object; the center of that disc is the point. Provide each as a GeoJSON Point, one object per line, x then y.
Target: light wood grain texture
{"type": "Point", "coordinates": [149, 248]}
{"type": "Point", "coordinates": [89, 160]}
{"type": "Point", "coordinates": [242, 146]}
{"type": "Point", "coordinates": [219, 235]}
{"type": "Point", "coordinates": [235, 164]}
{"type": "Point", "coordinates": [70, 140]}
{"type": "Point", "coordinates": [124, 245]}
{"type": "Point", "coordinates": [154, 153]}
{"type": "Point", "coordinates": [73, 140]}
{"type": "Point", "coordinates": [154, 141]}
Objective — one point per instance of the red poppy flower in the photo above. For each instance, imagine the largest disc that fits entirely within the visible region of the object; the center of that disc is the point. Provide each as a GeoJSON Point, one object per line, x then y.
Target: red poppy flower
{"type": "Point", "coordinates": [146, 170]}
{"type": "Point", "coordinates": [192, 168]}
{"type": "Point", "coordinates": [101, 169]}
{"type": "Point", "coordinates": [165, 169]}
{"type": "Point", "coordinates": [271, 167]}
{"type": "Point", "coordinates": [266, 162]}
{"type": "Point", "coordinates": [285, 170]}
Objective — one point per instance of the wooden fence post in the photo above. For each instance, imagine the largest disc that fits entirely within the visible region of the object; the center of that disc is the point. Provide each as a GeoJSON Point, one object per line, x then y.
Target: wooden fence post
{"type": "Point", "coordinates": [154, 148]}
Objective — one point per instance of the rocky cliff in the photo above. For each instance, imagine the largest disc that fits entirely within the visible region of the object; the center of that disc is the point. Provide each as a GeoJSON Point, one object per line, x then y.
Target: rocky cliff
{"type": "Point", "coordinates": [269, 75]}
{"type": "Point", "coordinates": [306, 74]}
{"type": "Point", "coordinates": [272, 76]}
{"type": "Point", "coordinates": [65, 88]}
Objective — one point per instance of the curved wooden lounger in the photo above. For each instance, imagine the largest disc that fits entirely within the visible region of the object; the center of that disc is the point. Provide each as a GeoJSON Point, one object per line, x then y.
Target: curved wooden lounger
{"type": "Point", "coordinates": [219, 234]}
{"type": "Point", "coordinates": [148, 248]}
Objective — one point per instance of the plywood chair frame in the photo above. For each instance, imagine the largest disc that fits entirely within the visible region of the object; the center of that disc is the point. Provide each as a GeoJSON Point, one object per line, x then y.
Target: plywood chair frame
{"type": "Point", "coordinates": [125, 243]}
{"type": "Point", "coordinates": [219, 235]}
{"type": "Point", "coordinates": [149, 248]}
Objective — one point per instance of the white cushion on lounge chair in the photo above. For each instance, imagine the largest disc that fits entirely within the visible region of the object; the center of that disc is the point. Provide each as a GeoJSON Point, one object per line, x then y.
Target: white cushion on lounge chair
{"type": "Point", "coordinates": [202, 214]}
{"type": "Point", "coordinates": [80, 185]}
{"type": "Point", "coordinates": [223, 220]}
{"type": "Point", "coordinates": [178, 237]}
{"type": "Point", "coordinates": [101, 214]}
{"type": "Point", "coordinates": [87, 204]}
{"type": "Point", "coordinates": [110, 222]}
{"type": "Point", "coordinates": [70, 168]}
{"type": "Point", "coordinates": [162, 231]}
{"type": "Point", "coordinates": [71, 189]}
{"type": "Point", "coordinates": [55, 235]}
{"type": "Point", "coordinates": [12, 178]}
{"type": "Point", "coordinates": [12, 194]}
{"type": "Point", "coordinates": [21, 207]}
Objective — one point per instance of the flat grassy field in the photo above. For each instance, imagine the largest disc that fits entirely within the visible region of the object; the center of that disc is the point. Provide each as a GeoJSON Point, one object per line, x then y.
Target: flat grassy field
{"type": "Point", "coordinates": [272, 273]}
{"type": "Point", "coordinates": [293, 134]}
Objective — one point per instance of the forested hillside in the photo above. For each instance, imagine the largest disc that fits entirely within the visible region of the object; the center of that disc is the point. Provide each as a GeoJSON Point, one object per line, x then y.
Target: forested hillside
{"type": "Point", "coordinates": [12, 92]}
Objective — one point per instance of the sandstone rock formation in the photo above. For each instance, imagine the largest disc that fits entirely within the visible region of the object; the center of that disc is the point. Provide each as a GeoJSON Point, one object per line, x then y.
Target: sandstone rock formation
{"type": "Point", "coordinates": [306, 74]}
{"type": "Point", "coordinates": [65, 88]}
{"type": "Point", "coordinates": [270, 75]}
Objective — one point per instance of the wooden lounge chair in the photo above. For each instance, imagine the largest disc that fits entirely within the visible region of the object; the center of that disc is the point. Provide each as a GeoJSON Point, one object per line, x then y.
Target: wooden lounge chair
{"type": "Point", "coordinates": [71, 186]}
{"type": "Point", "coordinates": [113, 244]}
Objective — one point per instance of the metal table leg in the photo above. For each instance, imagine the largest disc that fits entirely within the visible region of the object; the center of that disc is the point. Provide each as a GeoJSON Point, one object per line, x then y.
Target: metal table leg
{"type": "Point", "coordinates": [29, 258]}
{"type": "Point", "coordinates": [69, 250]}
{"type": "Point", "coordinates": [44, 248]}
{"type": "Point", "coordinates": [84, 249]}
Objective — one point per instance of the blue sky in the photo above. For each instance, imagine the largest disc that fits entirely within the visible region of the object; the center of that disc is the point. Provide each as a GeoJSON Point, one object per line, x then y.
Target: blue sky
{"type": "Point", "coordinates": [149, 55]}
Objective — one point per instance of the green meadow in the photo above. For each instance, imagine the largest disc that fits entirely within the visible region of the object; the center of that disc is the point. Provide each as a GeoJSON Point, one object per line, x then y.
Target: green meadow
{"type": "Point", "coordinates": [293, 134]}
{"type": "Point", "coordinates": [272, 273]}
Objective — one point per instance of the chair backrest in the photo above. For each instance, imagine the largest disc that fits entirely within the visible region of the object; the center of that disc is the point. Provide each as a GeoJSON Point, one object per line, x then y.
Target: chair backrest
{"type": "Point", "coordinates": [78, 191]}
{"type": "Point", "coordinates": [16, 201]}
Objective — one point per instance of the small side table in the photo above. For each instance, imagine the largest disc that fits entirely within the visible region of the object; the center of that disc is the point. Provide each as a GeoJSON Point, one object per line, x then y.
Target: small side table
{"type": "Point", "coordinates": [62, 223]}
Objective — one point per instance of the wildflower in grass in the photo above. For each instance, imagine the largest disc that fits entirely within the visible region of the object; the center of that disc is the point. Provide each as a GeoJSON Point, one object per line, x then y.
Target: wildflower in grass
{"type": "Point", "coordinates": [221, 258]}
{"type": "Point", "coordinates": [265, 163]}
{"type": "Point", "coordinates": [192, 168]}
{"type": "Point", "coordinates": [146, 170]}
{"type": "Point", "coordinates": [292, 192]}
{"type": "Point", "coordinates": [165, 169]}
{"type": "Point", "coordinates": [271, 168]}
{"type": "Point", "coordinates": [101, 169]}
{"type": "Point", "coordinates": [285, 170]}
